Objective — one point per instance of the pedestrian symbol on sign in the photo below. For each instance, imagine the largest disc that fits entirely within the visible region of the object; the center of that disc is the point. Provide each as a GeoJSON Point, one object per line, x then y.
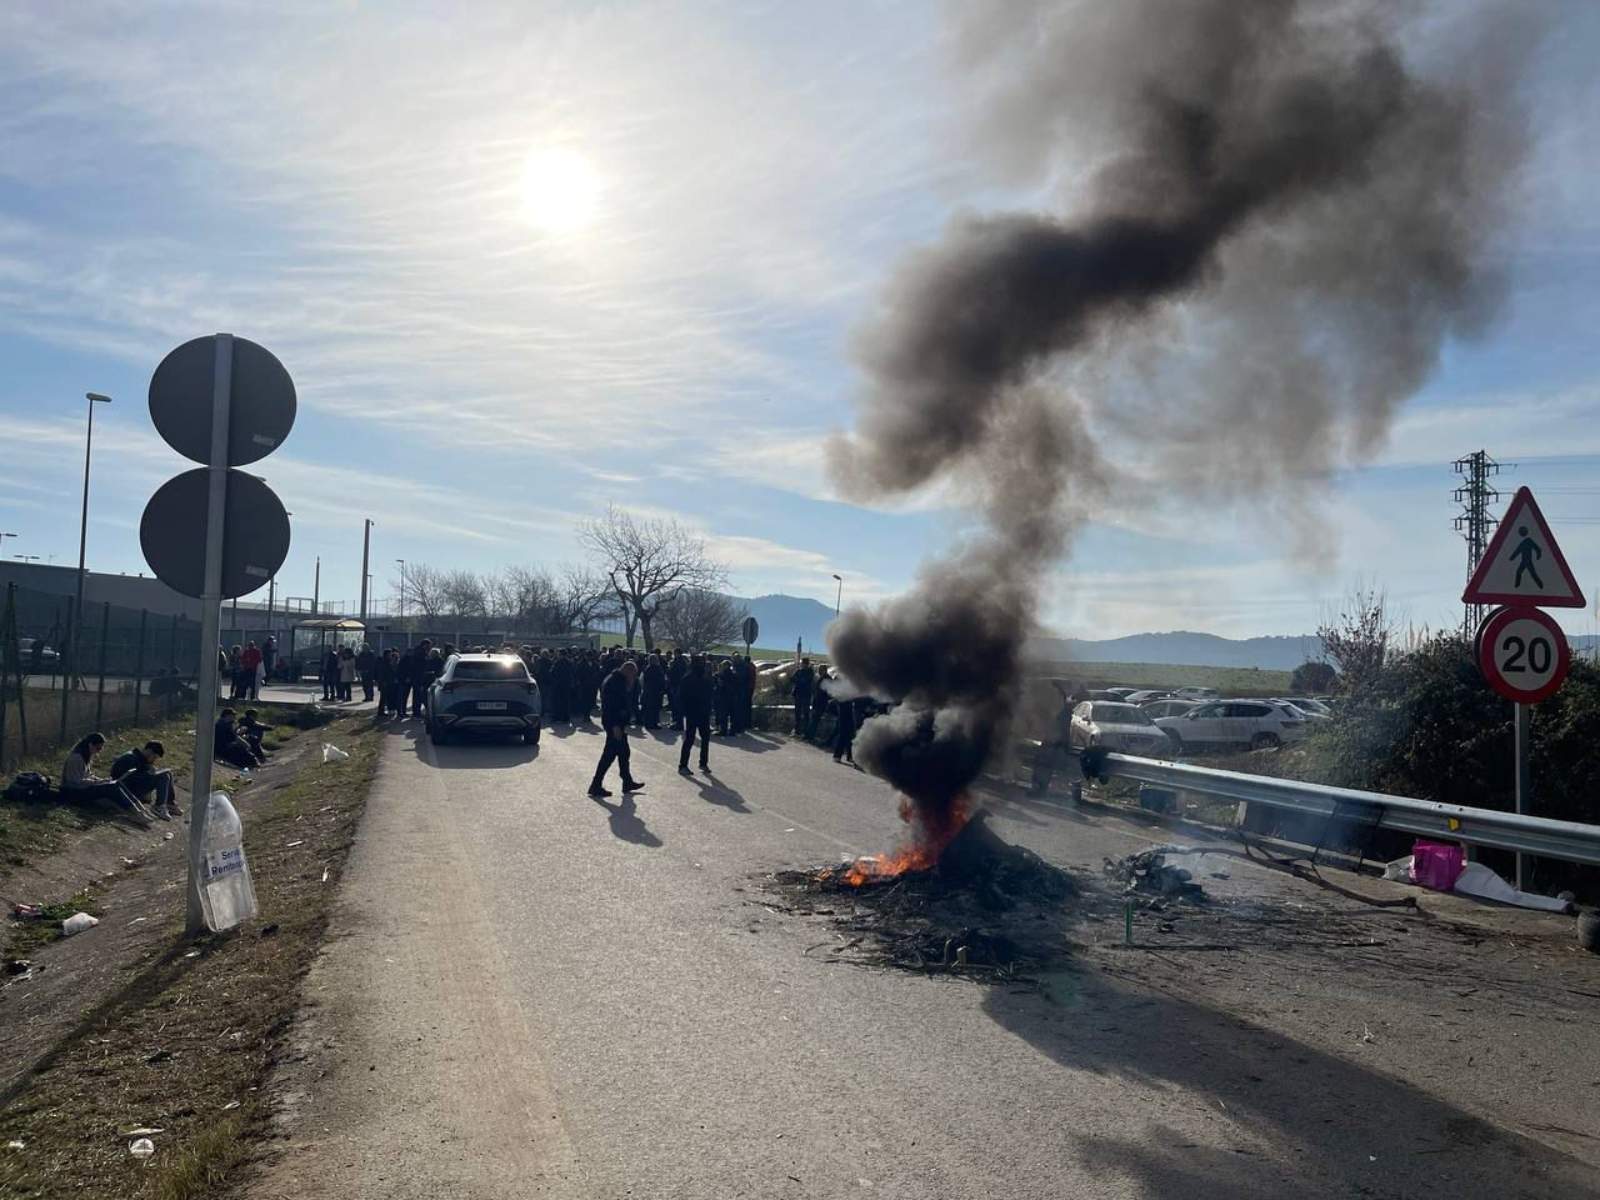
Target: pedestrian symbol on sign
{"type": "Point", "coordinates": [1527, 550]}
{"type": "Point", "coordinates": [1523, 565]}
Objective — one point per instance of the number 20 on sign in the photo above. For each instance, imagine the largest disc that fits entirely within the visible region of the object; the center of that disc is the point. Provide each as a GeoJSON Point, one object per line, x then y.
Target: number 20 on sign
{"type": "Point", "coordinates": [1523, 654]}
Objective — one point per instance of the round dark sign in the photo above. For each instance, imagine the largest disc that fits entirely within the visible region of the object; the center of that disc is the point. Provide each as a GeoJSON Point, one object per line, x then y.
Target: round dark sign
{"type": "Point", "coordinates": [262, 409]}
{"type": "Point", "coordinates": [750, 629]}
{"type": "Point", "coordinates": [1523, 654]}
{"type": "Point", "coordinates": [255, 538]}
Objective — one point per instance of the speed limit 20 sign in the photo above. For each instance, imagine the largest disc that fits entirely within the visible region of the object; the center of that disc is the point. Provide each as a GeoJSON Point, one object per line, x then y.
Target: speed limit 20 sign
{"type": "Point", "coordinates": [1523, 654]}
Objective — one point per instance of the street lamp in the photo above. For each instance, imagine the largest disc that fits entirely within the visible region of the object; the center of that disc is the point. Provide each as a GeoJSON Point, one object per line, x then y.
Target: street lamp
{"type": "Point", "coordinates": [28, 557]}
{"type": "Point", "coordinates": [83, 534]}
{"type": "Point", "coordinates": [839, 597]}
{"type": "Point", "coordinates": [402, 563]}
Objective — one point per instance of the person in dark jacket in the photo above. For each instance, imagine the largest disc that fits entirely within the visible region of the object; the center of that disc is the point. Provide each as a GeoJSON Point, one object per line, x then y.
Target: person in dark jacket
{"type": "Point", "coordinates": [563, 679]}
{"type": "Point", "coordinates": [615, 708]}
{"type": "Point", "coordinates": [844, 733]}
{"type": "Point", "coordinates": [330, 674]}
{"type": "Point", "coordinates": [252, 731]}
{"type": "Point", "coordinates": [694, 707]}
{"type": "Point", "coordinates": [819, 703]}
{"type": "Point", "coordinates": [653, 691]}
{"type": "Point", "coordinates": [388, 676]}
{"type": "Point", "coordinates": [676, 670]}
{"type": "Point", "coordinates": [800, 685]}
{"type": "Point", "coordinates": [138, 770]}
{"type": "Point", "coordinates": [367, 671]}
{"type": "Point", "coordinates": [229, 746]}
{"type": "Point", "coordinates": [423, 673]}
{"type": "Point", "coordinates": [722, 698]}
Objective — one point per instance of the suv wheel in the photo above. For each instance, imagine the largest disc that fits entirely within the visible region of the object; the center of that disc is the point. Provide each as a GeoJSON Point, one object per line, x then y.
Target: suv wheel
{"type": "Point", "coordinates": [531, 737]}
{"type": "Point", "coordinates": [1265, 741]}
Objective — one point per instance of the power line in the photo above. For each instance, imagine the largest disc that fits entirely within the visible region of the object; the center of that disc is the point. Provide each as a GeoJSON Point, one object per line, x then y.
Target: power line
{"type": "Point", "coordinates": [1474, 495]}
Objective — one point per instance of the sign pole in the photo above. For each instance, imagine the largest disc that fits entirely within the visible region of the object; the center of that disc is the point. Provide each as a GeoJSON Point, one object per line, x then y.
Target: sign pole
{"type": "Point", "coordinates": [205, 730]}
{"type": "Point", "coordinates": [1524, 729]}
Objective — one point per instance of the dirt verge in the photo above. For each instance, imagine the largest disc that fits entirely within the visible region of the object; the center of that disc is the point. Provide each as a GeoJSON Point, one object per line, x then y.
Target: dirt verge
{"type": "Point", "coordinates": [132, 1026]}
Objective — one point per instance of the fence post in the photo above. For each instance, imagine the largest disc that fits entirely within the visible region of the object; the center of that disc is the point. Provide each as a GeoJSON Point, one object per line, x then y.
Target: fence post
{"type": "Point", "coordinates": [138, 670]}
{"type": "Point", "coordinates": [172, 666]}
{"type": "Point", "coordinates": [100, 691]}
{"type": "Point", "coordinates": [22, 683]}
{"type": "Point", "coordinates": [6, 653]}
{"type": "Point", "coordinates": [68, 669]}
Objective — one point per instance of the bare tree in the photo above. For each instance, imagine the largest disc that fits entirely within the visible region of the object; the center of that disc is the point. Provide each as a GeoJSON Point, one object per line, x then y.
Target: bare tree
{"type": "Point", "coordinates": [463, 594]}
{"type": "Point", "coordinates": [1357, 637]}
{"type": "Point", "coordinates": [696, 620]}
{"type": "Point", "coordinates": [420, 590]}
{"type": "Point", "coordinates": [584, 596]}
{"type": "Point", "coordinates": [648, 561]}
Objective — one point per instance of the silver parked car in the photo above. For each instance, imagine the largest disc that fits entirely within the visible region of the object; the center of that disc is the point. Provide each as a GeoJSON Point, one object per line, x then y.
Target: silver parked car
{"type": "Point", "coordinates": [1156, 709]}
{"type": "Point", "coordinates": [484, 693]}
{"type": "Point", "coordinates": [1123, 727]}
{"type": "Point", "coordinates": [1258, 724]}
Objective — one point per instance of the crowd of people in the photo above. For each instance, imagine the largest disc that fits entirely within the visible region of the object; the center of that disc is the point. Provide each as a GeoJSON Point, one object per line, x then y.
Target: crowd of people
{"type": "Point", "coordinates": [248, 667]}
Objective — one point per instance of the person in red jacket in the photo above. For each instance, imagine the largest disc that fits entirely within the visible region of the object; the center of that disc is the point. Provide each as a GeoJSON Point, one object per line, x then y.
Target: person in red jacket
{"type": "Point", "coordinates": [250, 670]}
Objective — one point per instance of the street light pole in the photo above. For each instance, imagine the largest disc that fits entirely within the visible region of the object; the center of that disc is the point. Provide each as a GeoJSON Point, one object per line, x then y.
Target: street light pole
{"type": "Point", "coordinates": [366, 548]}
{"type": "Point", "coordinates": [839, 597]}
{"type": "Point", "coordinates": [316, 587]}
{"type": "Point", "coordinates": [83, 544]}
{"type": "Point", "coordinates": [402, 563]}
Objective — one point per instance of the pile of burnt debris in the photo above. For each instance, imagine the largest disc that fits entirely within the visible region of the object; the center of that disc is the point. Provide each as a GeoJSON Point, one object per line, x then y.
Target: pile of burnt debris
{"type": "Point", "coordinates": [984, 910]}
{"type": "Point", "coordinates": [1150, 877]}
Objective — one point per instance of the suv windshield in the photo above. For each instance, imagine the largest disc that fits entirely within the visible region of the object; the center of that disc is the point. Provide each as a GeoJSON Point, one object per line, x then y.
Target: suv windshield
{"type": "Point", "coordinates": [499, 668]}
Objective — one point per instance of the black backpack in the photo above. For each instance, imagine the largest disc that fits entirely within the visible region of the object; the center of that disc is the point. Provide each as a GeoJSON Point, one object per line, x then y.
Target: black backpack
{"type": "Point", "coordinates": [28, 787]}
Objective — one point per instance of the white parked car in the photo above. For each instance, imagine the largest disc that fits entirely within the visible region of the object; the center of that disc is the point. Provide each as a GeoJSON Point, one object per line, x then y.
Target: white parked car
{"type": "Point", "coordinates": [1312, 708]}
{"type": "Point", "coordinates": [1308, 710]}
{"type": "Point", "coordinates": [1126, 728]}
{"type": "Point", "coordinates": [1195, 693]}
{"type": "Point", "coordinates": [1258, 724]}
{"type": "Point", "coordinates": [1156, 709]}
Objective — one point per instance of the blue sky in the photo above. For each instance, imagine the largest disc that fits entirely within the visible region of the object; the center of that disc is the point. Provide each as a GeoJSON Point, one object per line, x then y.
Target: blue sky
{"type": "Point", "coordinates": [346, 184]}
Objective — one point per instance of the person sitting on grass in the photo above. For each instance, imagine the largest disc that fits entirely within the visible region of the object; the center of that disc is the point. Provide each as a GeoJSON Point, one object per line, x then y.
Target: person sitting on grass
{"type": "Point", "coordinates": [252, 731]}
{"type": "Point", "coordinates": [79, 783]}
{"type": "Point", "coordinates": [139, 771]}
{"type": "Point", "coordinates": [230, 747]}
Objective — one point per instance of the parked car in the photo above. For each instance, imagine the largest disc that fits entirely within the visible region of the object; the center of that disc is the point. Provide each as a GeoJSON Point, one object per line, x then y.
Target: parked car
{"type": "Point", "coordinates": [1122, 693]}
{"type": "Point", "coordinates": [1147, 695]}
{"type": "Point", "coordinates": [1124, 727]}
{"type": "Point", "coordinates": [1306, 709]}
{"type": "Point", "coordinates": [484, 693]}
{"type": "Point", "coordinates": [1194, 693]}
{"type": "Point", "coordinates": [47, 660]}
{"type": "Point", "coordinates": [1311, 707]}
{"type": "Point", "coordinates": [1156, 709]}
{"type": "Point", "coordinates": [1258, 724]}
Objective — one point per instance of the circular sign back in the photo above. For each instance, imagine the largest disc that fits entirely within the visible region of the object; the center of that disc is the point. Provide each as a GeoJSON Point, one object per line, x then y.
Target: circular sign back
{"type": "Point", "coordinates": [750, 629]}
{"type": "Point", "coordinates": [262, 409]}
{"type": "Point", "coordinates": [255, 538]}
{"type": "Point", "coordinates": [1523, 654]}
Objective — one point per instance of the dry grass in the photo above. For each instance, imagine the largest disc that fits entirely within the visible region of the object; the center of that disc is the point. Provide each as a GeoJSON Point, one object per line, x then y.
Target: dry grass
{"type": "Point", "coordinates": [186, 1037]}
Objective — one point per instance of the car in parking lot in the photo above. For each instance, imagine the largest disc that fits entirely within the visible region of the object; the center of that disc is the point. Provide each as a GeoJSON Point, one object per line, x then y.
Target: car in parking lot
{"type": "Point", "coordinates": [1147, 695]}
{"type": "Point", "coordinates": [37, 657]}
{"type": "Point", "coordinates": [484, 693]}
{"type": "Point", "coordinates": [1219, 724]}
{"type": "Point", "coordinates": [1112, 726]}
{"type": "Point", "coordinates": [1155, 709]}
{"type": "Point", "coordinates": [1194, 693]}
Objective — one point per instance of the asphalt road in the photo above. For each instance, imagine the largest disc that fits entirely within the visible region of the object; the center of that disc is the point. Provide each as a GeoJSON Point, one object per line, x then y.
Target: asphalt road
{"type": "Point", "coordinates": [529, 993]}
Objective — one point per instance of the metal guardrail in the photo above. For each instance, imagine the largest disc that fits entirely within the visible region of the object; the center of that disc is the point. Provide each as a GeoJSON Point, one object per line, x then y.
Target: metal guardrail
{"type": "Point", "coordinates": [1571, 841]}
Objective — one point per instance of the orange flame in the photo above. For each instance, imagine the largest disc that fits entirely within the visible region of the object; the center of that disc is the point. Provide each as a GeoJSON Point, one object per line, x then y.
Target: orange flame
{"type": "Point", "coordinates": [931, 833]}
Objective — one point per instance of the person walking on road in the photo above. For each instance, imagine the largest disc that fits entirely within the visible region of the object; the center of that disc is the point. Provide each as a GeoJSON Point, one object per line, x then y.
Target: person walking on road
{"type": "Point", "coordinates": [676, 670]}
{"type": "Point", "coordinates": [694, 707]}
{"type": "Point", "coordinates": [724, 693]}
{"type": "Point", "coordinates": [616, 703]}
{"type": "Point", "coordinates": [844, 733]}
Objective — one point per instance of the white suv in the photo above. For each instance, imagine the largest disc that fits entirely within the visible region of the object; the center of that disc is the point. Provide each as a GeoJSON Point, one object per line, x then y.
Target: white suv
{"type": "Point", "coordinates": [1258, 724]}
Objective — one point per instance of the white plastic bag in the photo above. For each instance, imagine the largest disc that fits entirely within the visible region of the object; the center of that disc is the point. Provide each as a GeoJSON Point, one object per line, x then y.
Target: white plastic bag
{"type": "Point", "coordinates": [332, 753]}
{"type": "Point", "coordinates": [141, 1148]}
{"type": "Point", "coordinates": [78, 922]}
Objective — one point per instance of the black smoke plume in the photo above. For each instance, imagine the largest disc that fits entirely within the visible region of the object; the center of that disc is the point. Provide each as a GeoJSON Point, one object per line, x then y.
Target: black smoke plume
{"type": "Point", "coordinates": [1286, 219]}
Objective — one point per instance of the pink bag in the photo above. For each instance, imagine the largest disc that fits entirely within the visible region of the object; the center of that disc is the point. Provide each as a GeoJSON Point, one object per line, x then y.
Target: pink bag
{"type": "Point", "coordinates": [1437, 865]}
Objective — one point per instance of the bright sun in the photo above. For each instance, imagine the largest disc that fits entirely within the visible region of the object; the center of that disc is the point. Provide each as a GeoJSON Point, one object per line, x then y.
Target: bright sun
{"type": "Point", "coordinates": [560, 191]}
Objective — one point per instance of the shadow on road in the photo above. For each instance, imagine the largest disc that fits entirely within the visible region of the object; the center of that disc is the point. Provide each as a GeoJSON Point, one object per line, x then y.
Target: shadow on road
{"type": "Point", "coordinates": [483, 754]}
{"type": "Point", "coordinates": [1336, 1128]}
{"type": "Point", "coordinates": [626, 823]}
{"type": "Point", "coordinates": [718, 793]}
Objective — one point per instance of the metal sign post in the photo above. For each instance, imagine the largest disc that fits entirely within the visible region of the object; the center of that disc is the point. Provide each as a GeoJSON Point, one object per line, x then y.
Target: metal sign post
{"type": "Point", "coordinates": [205, 729]}
{"type": "Point", "coordinates": [1524, 730]}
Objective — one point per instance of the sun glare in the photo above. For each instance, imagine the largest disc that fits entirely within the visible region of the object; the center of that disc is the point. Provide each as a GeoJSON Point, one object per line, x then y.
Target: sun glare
{"type": "Point", "coordinates": [560, 191]}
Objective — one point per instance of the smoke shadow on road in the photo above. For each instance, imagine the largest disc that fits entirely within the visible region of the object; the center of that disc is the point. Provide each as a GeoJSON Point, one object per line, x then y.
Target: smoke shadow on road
{"type": "Point", "coordinates": [626, 823]}
{"type": "Point", "coordinates": [1332, 1127]}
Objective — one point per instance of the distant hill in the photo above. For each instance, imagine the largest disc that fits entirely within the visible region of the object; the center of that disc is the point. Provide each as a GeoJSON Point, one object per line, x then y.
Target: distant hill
{"type": "Point", "coordinates": [785, 618]}
{"type": "Point", "coordinates": [1182, 648]}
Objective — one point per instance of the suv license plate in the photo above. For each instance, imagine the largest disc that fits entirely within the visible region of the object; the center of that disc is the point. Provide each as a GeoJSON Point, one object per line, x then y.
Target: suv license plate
{"type": "Point", "coordinates": [491, 706]}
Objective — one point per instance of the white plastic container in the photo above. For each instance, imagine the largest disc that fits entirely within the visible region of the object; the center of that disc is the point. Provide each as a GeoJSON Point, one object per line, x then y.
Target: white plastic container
{"type": "Point", "coordinates": [226, 894]}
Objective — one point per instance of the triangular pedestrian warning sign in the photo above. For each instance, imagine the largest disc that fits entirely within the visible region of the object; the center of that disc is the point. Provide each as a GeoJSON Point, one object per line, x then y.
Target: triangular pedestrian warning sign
{"type": "Point", "coordinates": [1523, 564]}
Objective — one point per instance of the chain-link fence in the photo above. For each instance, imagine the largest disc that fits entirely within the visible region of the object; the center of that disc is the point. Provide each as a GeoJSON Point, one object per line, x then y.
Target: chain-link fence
{"type": "Point", "coordinates": [61, 677]}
